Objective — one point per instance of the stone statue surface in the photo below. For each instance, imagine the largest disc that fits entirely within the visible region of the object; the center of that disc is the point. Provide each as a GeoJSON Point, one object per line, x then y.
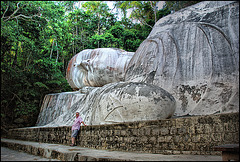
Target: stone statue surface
{"type": "Point", "coordinates": [188, 65]}
{"type": "Point", "coordinates": [112, 103]}
{"type": "Point", "coordinates": [102, 97]}
{"type": "Point", "coordinates": [194, 55]}
{"type": "Point", "coordinates": [97, 67]}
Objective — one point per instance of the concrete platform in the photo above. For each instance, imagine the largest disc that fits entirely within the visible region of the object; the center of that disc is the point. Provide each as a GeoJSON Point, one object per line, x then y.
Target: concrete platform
{"type": "Point", "coordinates": [14, 155]}
{"type": "Point", "coordinates": [67, 153]}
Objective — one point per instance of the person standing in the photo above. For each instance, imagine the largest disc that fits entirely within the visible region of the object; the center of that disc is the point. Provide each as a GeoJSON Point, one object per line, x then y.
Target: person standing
{"type": "Point", "coordinates": [75, 128]}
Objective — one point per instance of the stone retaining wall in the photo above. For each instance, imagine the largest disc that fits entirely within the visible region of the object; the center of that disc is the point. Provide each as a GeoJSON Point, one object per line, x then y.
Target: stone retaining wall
{"type": "Point", "coordinates": [188, 135]}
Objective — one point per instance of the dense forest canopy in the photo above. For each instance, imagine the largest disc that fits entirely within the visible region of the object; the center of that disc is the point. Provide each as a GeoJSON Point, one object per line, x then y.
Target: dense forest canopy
{"type": "Point", "coordinates": [38, 38]}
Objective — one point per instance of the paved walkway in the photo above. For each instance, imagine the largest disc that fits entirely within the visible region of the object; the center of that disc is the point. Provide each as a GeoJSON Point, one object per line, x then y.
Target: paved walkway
{"type": "Point", "coordinates": [12, 155]}
{"type": "Point", "coordinates": [64, 152]}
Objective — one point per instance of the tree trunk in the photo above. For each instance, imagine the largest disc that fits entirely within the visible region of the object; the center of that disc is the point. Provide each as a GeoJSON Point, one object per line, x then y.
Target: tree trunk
{"type": "Point", "coordinates": [73, 44]}
{"type": "Point", "coordinates": [154, 9]}
{"type": "Point", "coordinates": [73, 48]}
{"type": "Point", "coordinates": [76, 28]}
{"type": "Point", "coordinates": [57, 53]}
{"type": "Point", "coordinates": [98, 28]}
{"type": "Point", "coordinates": [52, 49]}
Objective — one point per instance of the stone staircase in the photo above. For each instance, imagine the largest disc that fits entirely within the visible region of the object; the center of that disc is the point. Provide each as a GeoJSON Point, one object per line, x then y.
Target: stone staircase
{"type": "Point", "coordinates": [67, 153]}
{"type": "Point", "coordinates": [176, 139]}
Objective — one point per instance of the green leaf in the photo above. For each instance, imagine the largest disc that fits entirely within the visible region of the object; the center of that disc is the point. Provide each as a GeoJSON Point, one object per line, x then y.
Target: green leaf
{"type": "Point", "coordinates": [40, 84]}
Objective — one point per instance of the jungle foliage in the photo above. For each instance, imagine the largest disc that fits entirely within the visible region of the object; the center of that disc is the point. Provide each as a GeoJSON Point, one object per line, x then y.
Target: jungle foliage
{"type": "Point", "coordinates": [38, 39]}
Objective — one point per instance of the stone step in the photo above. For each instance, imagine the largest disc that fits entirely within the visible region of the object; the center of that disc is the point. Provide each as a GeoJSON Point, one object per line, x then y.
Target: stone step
{"type": "Point", "coordinates": [8, 154]}
{"type": "Point", "coordinates": [68, 153]}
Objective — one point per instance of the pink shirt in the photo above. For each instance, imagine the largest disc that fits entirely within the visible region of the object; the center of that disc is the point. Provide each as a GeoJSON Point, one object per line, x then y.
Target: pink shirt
{"type": "Point", "coordinates": [77, 123]}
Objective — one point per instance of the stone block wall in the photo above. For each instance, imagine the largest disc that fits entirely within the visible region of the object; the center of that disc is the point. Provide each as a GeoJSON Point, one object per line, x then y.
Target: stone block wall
{"type": "Point", "coordinates": [188, 135]}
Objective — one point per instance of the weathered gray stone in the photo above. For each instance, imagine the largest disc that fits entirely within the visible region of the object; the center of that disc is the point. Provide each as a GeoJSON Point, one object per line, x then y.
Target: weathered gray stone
{"type": "Point", "coordinates": [57, 104]}
{"type": "Point", "coordinates": [112, 103]}
{"type": "Point", "coordinates": [97, 67]}
{"type": "Point", "coordinates": [194, 55]}
{"type": "Point", "coordinates": [137, 134]}
{"type": "Point", "coordinates": [125, 102]}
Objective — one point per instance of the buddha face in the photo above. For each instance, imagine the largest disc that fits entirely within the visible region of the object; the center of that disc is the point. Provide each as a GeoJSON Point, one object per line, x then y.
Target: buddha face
{"type": "Point", "coordinates": [97, 67]}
